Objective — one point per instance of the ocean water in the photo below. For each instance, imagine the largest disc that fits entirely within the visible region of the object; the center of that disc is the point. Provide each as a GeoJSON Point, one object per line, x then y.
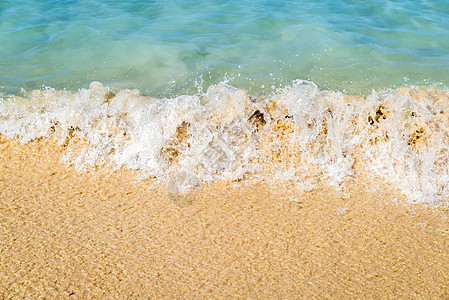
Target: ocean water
{"type": "Point", "coordinates": [171, 47]}
{"type": "Point", "coordinates": [192, 92]}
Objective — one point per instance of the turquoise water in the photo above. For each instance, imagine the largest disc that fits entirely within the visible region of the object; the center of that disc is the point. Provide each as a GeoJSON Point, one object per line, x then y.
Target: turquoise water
{"type": "Point", "coordinates": [174, 47]}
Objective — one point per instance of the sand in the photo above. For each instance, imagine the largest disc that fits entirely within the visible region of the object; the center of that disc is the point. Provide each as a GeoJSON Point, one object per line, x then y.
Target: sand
{"type": "Point", "coordinates": [106, 234]}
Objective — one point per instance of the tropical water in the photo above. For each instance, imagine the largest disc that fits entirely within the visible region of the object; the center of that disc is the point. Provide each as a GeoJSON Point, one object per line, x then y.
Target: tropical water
{"type": "Point", "coordinates": [163, 47]}
{"type": "Point", "coordinates": [192, 92]}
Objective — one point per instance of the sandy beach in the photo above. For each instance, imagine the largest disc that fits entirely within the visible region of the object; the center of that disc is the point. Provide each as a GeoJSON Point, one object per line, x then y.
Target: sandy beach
{"type": "Point", "coordinates": [228, 150]}
{"type": "Point", "coordinates": [106, 234]}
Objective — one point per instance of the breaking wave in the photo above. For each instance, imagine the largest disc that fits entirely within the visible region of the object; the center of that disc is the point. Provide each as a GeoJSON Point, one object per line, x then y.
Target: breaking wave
{"type": "Point", "coordinates": [299, 133]}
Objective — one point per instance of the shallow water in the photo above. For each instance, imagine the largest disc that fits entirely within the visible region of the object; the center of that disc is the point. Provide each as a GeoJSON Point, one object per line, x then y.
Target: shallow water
{"type": "Point", "coordinates": [168, 48]}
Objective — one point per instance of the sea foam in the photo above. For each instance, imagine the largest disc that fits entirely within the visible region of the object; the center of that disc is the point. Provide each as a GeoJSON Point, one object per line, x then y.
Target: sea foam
{"type": "Point", "coordinates": [299, 133]}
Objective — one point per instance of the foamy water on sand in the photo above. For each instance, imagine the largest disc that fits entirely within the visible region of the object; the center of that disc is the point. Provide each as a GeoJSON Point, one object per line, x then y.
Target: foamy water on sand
{"type": "Point", "coordinates": [229, 104]}
{"type": "Point", "coordinates": [298, 134]}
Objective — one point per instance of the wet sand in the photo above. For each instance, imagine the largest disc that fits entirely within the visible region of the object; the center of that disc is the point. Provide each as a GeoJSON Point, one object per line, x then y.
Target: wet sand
{"type": "Point", "coordinates": [105, 234]}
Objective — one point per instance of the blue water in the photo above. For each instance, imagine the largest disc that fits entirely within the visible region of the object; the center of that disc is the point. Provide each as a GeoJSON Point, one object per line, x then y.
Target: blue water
{"type": "Point", "coordinates": [174, 47]}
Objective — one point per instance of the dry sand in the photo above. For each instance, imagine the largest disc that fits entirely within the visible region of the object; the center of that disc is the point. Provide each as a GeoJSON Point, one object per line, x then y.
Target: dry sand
{"type": "Point", "coordinates": [66, 234]}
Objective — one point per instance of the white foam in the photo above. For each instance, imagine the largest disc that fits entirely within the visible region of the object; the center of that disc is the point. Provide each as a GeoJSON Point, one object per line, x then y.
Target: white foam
{"type": "Point", "coordinates": [400, 136]}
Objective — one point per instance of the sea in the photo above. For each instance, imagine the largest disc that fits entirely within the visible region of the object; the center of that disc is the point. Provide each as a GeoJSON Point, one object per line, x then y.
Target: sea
{"type": "Point", "coordinates": [190, 92]}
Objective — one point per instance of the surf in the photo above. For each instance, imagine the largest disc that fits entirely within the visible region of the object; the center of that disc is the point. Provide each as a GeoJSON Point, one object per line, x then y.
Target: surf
{"type": "Point", "coordinates": [298, 134]}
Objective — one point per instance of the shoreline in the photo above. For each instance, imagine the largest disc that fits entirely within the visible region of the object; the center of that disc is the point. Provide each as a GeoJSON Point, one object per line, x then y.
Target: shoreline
{"type": "Point", "coordinates": [87, 235]}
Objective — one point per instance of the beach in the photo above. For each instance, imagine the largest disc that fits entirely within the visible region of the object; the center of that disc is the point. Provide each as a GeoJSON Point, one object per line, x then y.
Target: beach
{"type": "Point", "coordinates": [107, 234]}
{"type": "Point", "coordinates": [225, 149]}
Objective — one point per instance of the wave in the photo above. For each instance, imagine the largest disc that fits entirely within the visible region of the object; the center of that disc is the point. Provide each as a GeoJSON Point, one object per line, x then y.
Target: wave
{"type": "Point", "coordinates": [298, 134]}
